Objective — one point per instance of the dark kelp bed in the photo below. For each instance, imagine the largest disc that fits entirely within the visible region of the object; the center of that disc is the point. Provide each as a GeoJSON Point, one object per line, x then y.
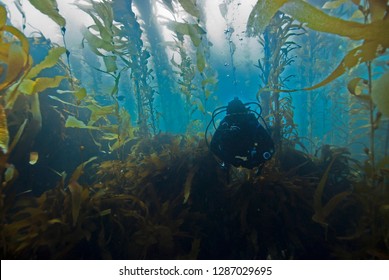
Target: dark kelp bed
{"type": "Point", "coordinates": [170, 200]}
{"type": "Point", "coordinates": [82, 177]}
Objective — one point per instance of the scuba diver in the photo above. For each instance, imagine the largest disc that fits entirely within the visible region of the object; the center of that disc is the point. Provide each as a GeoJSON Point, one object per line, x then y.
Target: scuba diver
{"type": "Point", "coordinates": [240, 140]}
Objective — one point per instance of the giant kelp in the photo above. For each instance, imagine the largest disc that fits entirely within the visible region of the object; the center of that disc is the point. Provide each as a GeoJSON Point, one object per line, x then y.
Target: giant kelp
{"type": "Point", "coordinates": [170, 199]}
{"type": "Point", "coordinates": [195, 86]}
{"type": "Point", "coordinates": [373, 32]}
{"type": "Point", "coordinates": [21, 84]}
{"type": "Point", "coordinates": [278, 45]}
{"type": "Point", "coordinates": [164, 196]}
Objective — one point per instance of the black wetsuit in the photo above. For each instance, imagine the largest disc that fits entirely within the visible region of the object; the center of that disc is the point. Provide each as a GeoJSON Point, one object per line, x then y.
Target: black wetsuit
{"type": "Point", "coordinates": [241, 140]}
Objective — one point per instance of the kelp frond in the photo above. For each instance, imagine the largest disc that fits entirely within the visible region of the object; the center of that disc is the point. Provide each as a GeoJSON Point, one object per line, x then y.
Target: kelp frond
{"type": "Point", "coordinates": [375, 35]}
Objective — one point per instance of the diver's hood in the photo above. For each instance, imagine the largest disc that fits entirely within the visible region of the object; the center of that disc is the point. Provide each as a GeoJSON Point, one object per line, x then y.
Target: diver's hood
{"type": "Point", "coordinates": [236, 107]}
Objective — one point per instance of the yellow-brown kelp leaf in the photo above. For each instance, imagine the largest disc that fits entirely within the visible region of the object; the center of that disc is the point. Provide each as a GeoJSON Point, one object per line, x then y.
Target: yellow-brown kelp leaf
{"type": "Point", "coordinates": [80, 169]}
{"type": "Point", "coordinates": [188, 183]}
{"type": "Point", "coordinates": [357, 86]}
{"type": "Point", "coordinates": [3, 17]}
{"type": "Point", "coordinates": [380, 93]}
{"type": "Point", "coordinates": [9, 173]}
{"type": "Point", "coordinates": [318, 20]}
{"type": "Point", "coordinates": [76, 190]}
{"type": "Point", "coordinates": [49, 8]}
{"type": "Point", "coordinates": [14, 55]}
{"type": "Point", "coordinates": [33, 158]}
{"type": "Point", "coordinates": [4, 135]}
{"type": "Point", "coordinates": [80, 94]}
{"type": "Point", "coordinates": [378, 9]}
{"type": "Point", "coordinates": [98, 112]}
{"type": "Point", "coordinates": [126, 131]}
{"type": "Point", "coordinates": [17, 135]}
{"type": "Point", "coordinates": [75, 123]}
{"type": "Point", "coordinates": [38, 85]}
{"type": "Point", "coordinates": [50, 60]}
{"type": "Point", "coordinates": [364, 53]}
{"type": "Point", "coordinates": [375, 34]}
{"type": "Point", "coordinates": [261, 15]}
{"type": "Point", "coordinates": [322, 212]}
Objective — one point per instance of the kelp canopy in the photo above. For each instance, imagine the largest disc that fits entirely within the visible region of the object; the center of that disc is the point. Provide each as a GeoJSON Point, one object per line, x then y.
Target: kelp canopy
{"type": "Point", "coordinates": [102, 149]}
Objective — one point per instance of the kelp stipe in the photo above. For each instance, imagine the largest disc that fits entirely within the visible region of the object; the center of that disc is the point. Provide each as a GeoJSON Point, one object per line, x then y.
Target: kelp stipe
{"type": "Point", "coordinates": [197, 83]}
{"type": "Point", "coordinates": [277, 42]}
{"type": "Point", "coordinates": [124, 50]}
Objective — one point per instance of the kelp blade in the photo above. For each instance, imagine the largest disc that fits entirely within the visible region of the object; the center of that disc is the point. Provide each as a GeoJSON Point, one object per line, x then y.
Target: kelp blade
{"type": "Point", "coordinates": [380, 94]}
{"type": "Point", "coordinates": [261, 15]}
{"type": "Point", "coordinates": [375, 35]}
{"type": "Point", "coordinates": [4, 135]}
{"type": "Point", "coordinates": [49, 8]}
{"type": "Point", "coordinates": [49, 61]}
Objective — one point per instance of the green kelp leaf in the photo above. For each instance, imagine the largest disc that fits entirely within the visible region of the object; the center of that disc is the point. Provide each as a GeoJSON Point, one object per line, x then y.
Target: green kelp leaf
{"type": "Point", "coordinates": [110, 63]}
{"type": "Point", "coordinates": [200, 61]}
{"type": "Point", "coordinates": [50, 60]}
{"type": "Point", "coordinates": [194, 31]}
{"type": "Point", "coordinates": [105, 31]}
{"type": "Point", "coordinates": [98, 112]}
{"type": "Point", "coordinates": [190, 7]}
{"type": "Point", "coordinates": [49, 8]}
{"type": "Point", "coordinates": [194, 34]}
{"type": "Point", "coordinates": [96, 42]}
{"type": "Point", "coordinates": [4, 135]}
{"type": "Point", "coordinates": [75, 123]}
{"type": "Point", "coordinates": [80, 94]}
{"type": "Point", "coordinates": [207, 94]}
{"type": "Point", "coordinates": [261, 15]}
{"type": "Point", "coordinates": [212, 80]}
{"type": "Point", "coordinates": [64, 102]}
{"type": "Point", "coordinates": [380, 93]}
{"type": "Point", "coordinates": [105, 12]}
{"type": "Point", "coordinates": [178, 27]}
{"type": "Point", "coordinates": [31, 87]}
{"type": "Point", "coordinates": [126, 131]}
